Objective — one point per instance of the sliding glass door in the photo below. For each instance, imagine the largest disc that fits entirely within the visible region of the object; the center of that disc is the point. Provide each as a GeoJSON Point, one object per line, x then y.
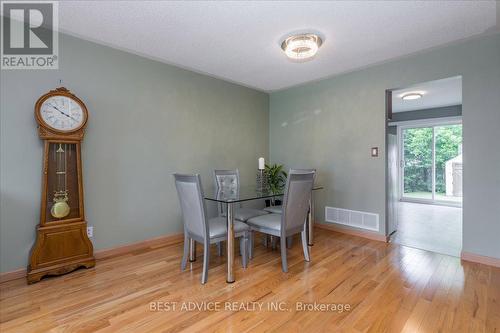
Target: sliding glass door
{"type": "Point", "coordinates": [431, 163]}
{"type": "Point", "coordinates": [417, 162]}
{"type": "Point", "coordinates": [448, 161]}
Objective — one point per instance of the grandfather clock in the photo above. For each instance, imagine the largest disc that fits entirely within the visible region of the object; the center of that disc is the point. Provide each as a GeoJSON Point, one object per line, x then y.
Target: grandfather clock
{"type": "Point", "coordinates": [61, 243]}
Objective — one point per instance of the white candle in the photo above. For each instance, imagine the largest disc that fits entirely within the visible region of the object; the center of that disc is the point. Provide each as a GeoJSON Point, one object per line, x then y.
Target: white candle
{"type": "Point", "coordinates": [262, 163]}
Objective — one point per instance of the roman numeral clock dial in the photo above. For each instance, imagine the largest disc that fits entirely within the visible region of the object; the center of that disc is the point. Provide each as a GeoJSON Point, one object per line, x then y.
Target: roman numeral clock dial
{"type": "Point", "coordinates": [62, 244]}
{"type": "Point", "coordinates": [62, 113]}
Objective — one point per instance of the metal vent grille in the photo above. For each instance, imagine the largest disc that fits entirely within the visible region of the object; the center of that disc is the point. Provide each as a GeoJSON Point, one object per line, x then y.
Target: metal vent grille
{"type": "Point", "coordinates": [353, 218]}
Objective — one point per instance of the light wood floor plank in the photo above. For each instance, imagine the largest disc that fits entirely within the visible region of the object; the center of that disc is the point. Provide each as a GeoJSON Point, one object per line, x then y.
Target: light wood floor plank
{"type": "Point", "coordinates": [389, 288]}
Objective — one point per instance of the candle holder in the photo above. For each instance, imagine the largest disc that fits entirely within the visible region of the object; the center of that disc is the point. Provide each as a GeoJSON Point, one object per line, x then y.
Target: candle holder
{"type": "Point", "coordinates": [262, 183]}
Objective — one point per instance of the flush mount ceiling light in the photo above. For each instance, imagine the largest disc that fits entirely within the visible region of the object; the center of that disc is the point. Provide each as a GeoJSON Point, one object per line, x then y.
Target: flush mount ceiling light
{"type": "Point", "coordinates": [411, 96]}
{"type": "Point", "coordinates": [301, 47]}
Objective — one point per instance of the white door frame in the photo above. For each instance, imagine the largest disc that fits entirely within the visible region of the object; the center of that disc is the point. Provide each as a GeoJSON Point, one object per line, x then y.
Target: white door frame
{"type": "Point", "coordinates": [402, 125]}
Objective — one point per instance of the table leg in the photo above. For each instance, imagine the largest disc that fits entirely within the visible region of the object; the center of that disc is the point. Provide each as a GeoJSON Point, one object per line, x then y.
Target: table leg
{"type": "Point", "coordinates": [192, 250]}
{"type": "Point", "coordinates": [230, 243]}
{"type": "Point", "coordinates": [310, 223]}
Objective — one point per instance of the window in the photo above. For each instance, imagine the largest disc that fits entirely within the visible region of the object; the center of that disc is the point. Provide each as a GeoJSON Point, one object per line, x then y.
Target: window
{"type": "Point", "coordinates": [431, 163]}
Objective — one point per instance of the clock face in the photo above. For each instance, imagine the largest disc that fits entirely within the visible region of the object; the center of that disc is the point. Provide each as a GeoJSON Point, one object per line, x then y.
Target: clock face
{"type": "Point", "coordinates": [62, 113]}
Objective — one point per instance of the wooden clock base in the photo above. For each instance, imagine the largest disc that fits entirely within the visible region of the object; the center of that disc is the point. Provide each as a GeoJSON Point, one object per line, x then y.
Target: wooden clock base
{"type": "Point", "coordinates": [59, 249]}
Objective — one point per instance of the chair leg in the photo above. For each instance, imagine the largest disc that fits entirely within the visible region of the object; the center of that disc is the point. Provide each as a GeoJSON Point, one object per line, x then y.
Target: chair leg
{"type": "Point", "coordinates": [284, 265]}
{"type": "Point", "coordinates": [192, 250]}
{"type": "Point", "coordinates": [206, 261]}
{"type": "Point", "coordinates": [250, 245]}
{"type": "Point", "coordinates": [244, 250]}
{"type": "Point", "coordinates": [185, 253]}
{"type": "Point", "coordinates": [305, 248]}
{"type": "Point", "coordinates": [273, 242]}
{"type": "Point", "coordinates": [264, 240]}
{"type": "Point", "coordinates": [219, 249]}
{"type": "Point", "coordinates": [289, 242]}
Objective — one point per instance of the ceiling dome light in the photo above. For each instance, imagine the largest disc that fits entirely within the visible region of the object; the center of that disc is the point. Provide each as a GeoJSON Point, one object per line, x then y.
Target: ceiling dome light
{"type": "Point", "coordinates": [411, 96]}
{"type": "Point", "coordinates": [301, 47]}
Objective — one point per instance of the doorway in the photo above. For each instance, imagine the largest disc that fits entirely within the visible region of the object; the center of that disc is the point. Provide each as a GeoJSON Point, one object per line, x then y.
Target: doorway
{"type": "Point", "coordinates": [425, 165]}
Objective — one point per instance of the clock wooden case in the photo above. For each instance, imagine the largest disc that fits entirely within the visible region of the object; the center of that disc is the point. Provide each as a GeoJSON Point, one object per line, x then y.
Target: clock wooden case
{"type": "Point", "coordinates": [62, 244]}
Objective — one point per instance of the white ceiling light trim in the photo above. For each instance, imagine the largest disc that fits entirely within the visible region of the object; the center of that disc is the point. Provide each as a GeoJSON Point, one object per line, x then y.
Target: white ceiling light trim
{"type": "Point", "coordinates": [301, 47]}
{"type": "Point", "coordinates": [412, 96]}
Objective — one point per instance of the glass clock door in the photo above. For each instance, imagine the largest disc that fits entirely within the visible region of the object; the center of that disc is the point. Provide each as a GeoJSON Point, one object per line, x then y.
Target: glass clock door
{"type": "Point", "coordinates": [63, 200]}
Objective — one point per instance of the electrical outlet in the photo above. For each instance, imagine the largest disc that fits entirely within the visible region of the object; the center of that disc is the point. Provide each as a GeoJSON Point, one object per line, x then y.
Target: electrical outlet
{"type": "Point", "coordinates": [90, 231]}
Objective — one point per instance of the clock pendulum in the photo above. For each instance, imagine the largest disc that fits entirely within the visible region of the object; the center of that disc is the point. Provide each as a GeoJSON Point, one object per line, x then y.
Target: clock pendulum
{"type": "Point", "coordinates": [60, 208]}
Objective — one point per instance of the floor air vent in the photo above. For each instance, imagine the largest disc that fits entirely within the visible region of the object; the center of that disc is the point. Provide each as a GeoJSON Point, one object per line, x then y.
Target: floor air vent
{"type": "Point", "coordinates": [352, 218]}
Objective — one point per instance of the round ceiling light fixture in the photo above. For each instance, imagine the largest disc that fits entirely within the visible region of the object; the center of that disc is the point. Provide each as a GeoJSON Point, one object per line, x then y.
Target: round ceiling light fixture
{"type": "Point", "coordinates": [411, 96]}
{"type": "Point", "coordinates": [301, 47]}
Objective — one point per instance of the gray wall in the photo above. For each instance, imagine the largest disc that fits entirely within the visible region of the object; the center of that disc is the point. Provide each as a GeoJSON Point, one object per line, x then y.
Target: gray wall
{"type": "Point", "coordinates": [147, 120]}
{"type": "Point", "coordinates": [331, 125]}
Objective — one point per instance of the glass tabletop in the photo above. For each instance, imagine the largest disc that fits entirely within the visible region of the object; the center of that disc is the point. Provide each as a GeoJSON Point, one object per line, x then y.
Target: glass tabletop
{"type": "Point", "coordinates": [245, 193]}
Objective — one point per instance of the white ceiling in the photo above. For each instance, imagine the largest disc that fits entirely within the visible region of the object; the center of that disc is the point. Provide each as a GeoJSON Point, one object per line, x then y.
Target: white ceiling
{"type": "Point", "coordinates": [239, 41]}
{"type": "Point", "coordinates": [435, 94]}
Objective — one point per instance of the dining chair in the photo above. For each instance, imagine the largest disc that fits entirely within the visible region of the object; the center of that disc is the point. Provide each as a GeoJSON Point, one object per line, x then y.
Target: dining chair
{"type": "Point", "coordinates": [293, 218]}
{"type": "Point", "coordinates": [278, 209]}
{"type": "Point", "coordinates": [229, 180]}
{"type": "Point", "coordinates": [201, 229]}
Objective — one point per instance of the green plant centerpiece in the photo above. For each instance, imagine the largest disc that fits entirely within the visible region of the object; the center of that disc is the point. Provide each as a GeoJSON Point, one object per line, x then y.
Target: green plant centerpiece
{"type": "Point", "coordinates": [276, 177]}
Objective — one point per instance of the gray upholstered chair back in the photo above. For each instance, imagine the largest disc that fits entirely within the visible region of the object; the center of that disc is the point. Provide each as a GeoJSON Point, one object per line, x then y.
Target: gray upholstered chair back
{"type": "Point", "coordinates": [227, 181]}
{"type": "Point", "coordinates": [300, 171]}
{"type": "Point", "coordinates": [193, 207]}
{"type": "Point", "coordinates": [296, 200]}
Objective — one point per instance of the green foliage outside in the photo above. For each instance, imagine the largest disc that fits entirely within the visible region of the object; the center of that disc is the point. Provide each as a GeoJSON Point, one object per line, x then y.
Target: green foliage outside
{"type": "Point", "coordinates": [418, 156]}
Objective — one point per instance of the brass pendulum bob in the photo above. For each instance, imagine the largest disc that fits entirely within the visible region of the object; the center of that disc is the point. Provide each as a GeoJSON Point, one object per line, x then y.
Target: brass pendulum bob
{"type": "Point", "coordinates": [60, 208]}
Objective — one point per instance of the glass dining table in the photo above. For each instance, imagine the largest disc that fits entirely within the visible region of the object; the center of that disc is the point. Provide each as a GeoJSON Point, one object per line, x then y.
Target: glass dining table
{"type": "Point", "coordinates": [232, 197]}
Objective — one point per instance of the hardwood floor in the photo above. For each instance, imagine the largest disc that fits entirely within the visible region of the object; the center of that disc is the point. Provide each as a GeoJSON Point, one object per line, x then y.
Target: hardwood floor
{"type": "Point", "coordinates": [389, 288]}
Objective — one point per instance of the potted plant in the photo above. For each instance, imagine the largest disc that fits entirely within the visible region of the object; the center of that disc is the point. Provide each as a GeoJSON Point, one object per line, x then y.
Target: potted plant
{"type": "Point", "coordinates": [276, 179]}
